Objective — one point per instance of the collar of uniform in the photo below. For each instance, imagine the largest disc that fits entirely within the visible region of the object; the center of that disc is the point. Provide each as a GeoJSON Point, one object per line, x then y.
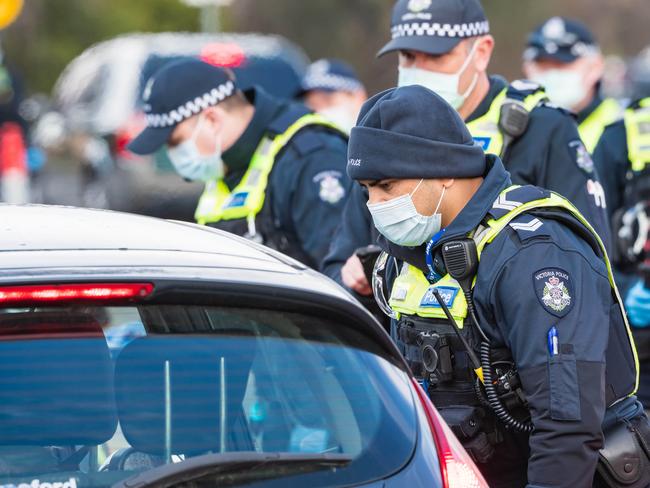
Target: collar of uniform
{"type": "Point", "coordinates": [497, 84]}
{"type": "Point", "coordinates": [240, 154]}
{"type": "Point", "coordinates": [589, 109]}
{"type": "Point", "coordinates": [495, 181]}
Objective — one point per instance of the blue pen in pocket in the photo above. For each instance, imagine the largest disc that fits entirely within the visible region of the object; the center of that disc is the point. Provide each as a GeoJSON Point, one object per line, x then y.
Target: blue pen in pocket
{"type": "Point", "coordinates": [553, 342]}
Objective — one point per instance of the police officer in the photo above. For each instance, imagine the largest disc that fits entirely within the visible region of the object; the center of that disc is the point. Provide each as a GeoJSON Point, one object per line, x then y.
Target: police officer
{"type": "Point", "coordinates": [445, 45]}
{"type": "Point", "coordinates": [622, 157]}
{"type": "Point", "coordinates": [563, 56]}
{"type": "Point", "coordinates": [530, 269]}
{"type": "Point", "coordinates": [274, 172]}
{"type": "Point", "coordinates": [332, 88]}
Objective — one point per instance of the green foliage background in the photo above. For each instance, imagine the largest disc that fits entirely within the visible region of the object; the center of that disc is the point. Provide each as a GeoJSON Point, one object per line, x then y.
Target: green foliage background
{"type": "Point", "coordinates": [50, 33]}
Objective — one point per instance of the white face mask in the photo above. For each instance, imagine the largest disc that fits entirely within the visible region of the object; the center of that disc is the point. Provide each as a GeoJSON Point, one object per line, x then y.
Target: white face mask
{"type": "Point", "coordinates": [341, 116]}
{"type": "Point", "coordinates": [191, 164]}
{"type": "Point", "coordinates": [565, 88]}
{"type": "Point", "coordinates": [400, 222]}
{"type": "Point", "coordinates": [444, 84]}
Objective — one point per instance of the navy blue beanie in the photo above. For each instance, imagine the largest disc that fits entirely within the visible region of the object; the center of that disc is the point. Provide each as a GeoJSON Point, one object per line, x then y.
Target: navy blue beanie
{"type": "Point", "coordinates": [410, 132]}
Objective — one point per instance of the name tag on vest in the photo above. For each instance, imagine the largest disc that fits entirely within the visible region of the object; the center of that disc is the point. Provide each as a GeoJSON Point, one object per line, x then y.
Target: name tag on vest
{"type": "Point", "coordinates": [447, 293]}
{"type": "Point", "coordinates": [483, 142]}
{"type": "Point", "coordinates": [237, 200]}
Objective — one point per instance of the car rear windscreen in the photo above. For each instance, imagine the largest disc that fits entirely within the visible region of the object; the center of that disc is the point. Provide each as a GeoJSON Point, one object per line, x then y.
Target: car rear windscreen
{"type": "Point", "coordinates": [93, 395]}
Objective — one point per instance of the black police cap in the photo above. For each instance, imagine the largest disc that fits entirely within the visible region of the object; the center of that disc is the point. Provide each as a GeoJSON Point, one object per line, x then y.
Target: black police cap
{"type": "Point", "coordinates": [330, 75]}
{"type": "Point", "coordinates": [176, 92]}
{"type": "Point", "coordinates": [434, 26]}
{"type": "Point", "coordinates": [560, 39]}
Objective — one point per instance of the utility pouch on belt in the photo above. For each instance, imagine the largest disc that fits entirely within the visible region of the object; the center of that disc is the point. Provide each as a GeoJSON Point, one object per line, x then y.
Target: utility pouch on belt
{"type": "Point", "coordinates": [624, 460]}
{"type": "Point", "coordinates": [468, 424]}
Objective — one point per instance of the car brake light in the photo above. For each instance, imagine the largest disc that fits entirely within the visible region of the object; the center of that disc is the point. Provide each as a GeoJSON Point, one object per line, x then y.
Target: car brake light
{"type": "Point", "coordinates": [73, 292]}
{"type": "Point", "coordinates": [224, 55]}
{"type": "Point", "coordinates": [457, 468]}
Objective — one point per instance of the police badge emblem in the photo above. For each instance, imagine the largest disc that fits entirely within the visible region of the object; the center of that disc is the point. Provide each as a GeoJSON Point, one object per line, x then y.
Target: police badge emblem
{"type": "Point", "coordinates": [556, 295]}
{"type": "Point", "coordinates": [581, 156]}
{"type": "Point", "coordinates": [419, 5]}
{"type": "Point", "coordinates": [146, 93]}
{"type": "Point", "coordinates": [331, 190]}
{"type": "Point", "coordinates": [553, 289]}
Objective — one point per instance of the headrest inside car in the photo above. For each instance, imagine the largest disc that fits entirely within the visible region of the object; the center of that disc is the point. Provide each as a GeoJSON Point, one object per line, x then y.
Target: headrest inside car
{"type": "Point", "coordinates": [202, 370]}
{"type": "Point", "coordinates": [56, 380]}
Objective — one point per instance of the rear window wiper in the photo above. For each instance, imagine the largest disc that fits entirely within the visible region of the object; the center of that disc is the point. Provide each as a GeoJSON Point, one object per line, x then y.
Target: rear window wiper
{"type": "Point", "coordinates": [239, 467]}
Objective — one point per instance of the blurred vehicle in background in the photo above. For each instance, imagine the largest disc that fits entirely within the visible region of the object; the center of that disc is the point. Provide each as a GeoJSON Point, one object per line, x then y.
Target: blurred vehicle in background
{"type": "Point", "coordinates": [197, 359]}
{"type": "Point", "coordinates": [98, 97]}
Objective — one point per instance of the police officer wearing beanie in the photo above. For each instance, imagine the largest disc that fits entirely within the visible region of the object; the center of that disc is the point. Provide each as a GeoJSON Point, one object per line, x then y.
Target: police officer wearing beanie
{"type": "Point", "coordinates": [445, 45]}
{"type": "Point", "coordinates": [544, 298]}
{"type": "Point", "coordinates": [274, 172]}
{"type": "Point", "coordinates": [563, 56]}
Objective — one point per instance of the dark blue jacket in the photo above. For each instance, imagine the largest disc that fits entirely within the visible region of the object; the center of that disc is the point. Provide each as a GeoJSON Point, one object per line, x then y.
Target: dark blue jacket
{"type": "Point", "coordinates": [545, 155]}
{"type": "Point", "coordinates": [308, 185]}
{"type": "Point", "coordinates": [568, 393]}
{"type": "Point", "coordinates": [612, 164]}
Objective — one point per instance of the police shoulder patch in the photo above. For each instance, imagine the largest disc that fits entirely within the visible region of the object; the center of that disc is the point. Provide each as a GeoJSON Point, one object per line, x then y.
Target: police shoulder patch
{"type": "Point", "coordinates": [554, 290]}
{"type": "Point", "coordinates": [581, 156]}
{"type": "Point", "coordinates": [330, 188]}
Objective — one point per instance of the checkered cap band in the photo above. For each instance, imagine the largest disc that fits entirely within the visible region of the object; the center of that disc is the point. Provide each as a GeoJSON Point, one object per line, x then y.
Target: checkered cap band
{"type": "Point", "coordinates": [192, 107]}
{"type": "Point", "coordinates": [435, 29]}
{"type": "Point", "coordinates": [332, 82]}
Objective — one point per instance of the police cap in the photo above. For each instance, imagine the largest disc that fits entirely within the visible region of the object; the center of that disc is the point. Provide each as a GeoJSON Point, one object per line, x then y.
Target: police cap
{"type": "Point", "coordinates": [330, 75]}
{"type": "Point", "coordinates": [176, 92]}
{"type": "Point", "coordinates": [434, 26]}
{"type": "Point", "coordinates": [560, 39]}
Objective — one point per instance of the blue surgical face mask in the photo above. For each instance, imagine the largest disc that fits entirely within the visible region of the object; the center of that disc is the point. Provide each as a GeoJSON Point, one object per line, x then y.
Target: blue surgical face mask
{"type": "Point", "coordinates": [193, 165]}
{"type": "Point", "coordinates": [443, 84]}
{"type": "Point", "coordinates": [399, 221]}
{"type": "Point", "coordinates": [564, 87]}
{"type": "Point", "coordinates": [342, 116]}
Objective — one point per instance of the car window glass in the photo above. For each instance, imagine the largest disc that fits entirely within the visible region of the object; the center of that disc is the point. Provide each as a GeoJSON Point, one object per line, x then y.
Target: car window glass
{"type": "Point", "coordinates": [119, 390]}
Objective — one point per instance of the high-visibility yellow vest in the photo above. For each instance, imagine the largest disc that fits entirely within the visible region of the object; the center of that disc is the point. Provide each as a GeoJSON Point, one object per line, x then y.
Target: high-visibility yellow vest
{"type": "Point", "coordinates": [485, 129]}
{"type": "Point", "coordinates": [412, 294]}
{"type": "Point", "coordinates": [637, 128]}
{"type": "Point", "coordinates": [592, 127]}
{"type": "Point", "coordinates": [246, 200]}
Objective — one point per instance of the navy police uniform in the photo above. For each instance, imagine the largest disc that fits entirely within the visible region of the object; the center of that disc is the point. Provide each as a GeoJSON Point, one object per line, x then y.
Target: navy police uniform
{"type": "Point", "coordinates": [284, 184]}
{"type": "Point", "coordinates": [307, 187]}
{"type": "Point", "coordinates": [613, 165]}
{"type": "Point", "coordinates": [624, 185]}
{"type": "Point", "coordinates": [549, 153]}
{"type": "Point", "coordinates": [567, 396]}
{"type": "Point", "coordinates": [544, 270]}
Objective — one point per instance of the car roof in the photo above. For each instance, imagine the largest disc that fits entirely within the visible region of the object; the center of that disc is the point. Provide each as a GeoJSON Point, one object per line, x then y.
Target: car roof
{"type": "Point", "coordinates": [54, 242]}
{"type": "Point", "coordinates": [44, 244]}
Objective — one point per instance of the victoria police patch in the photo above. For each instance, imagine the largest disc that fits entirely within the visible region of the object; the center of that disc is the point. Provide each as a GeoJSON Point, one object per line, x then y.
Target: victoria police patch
{"type": "Point", "coordinates": [554, 289]}
{"type": "Point", "coordinates": [581, 156]}
{"type": "Point", "coordinates": [331, 190]}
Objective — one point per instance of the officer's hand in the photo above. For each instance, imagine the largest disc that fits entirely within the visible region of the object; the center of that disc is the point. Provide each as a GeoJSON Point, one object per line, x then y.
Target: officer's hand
{"type": "Point", "coordinates": [354, 278]}
{"type": "Point", "coordinates": [637, 304]}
